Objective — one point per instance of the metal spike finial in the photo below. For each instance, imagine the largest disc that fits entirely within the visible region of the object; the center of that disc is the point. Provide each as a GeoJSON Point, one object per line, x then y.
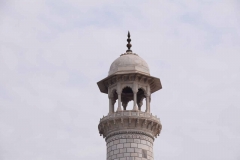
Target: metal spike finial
{"type": "Point", "coordinates": [129, 44]}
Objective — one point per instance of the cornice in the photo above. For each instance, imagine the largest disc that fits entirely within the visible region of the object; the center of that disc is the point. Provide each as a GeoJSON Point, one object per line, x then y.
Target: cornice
{"type": "Point", "coordinates": [153, 82]}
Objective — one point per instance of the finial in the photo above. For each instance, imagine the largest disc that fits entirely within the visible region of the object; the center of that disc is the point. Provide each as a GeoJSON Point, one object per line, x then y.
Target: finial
{"type": "Point", "coordinates": [129, 44]}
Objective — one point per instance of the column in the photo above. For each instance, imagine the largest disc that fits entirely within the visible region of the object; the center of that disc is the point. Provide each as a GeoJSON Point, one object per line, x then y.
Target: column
{"type": "Point", "coordinates": [148, 99]}
{"type": "Point", "coordinates": [111, 107]}
{"type": "Point", "coordinates": [135, 108]}
{"type": "Point", "coordinates": [119, 102]}
{"type": "Point", "coordinates": [119, 92]}
{"type": "Point", "coordinates": [110, 96]}
{"type": "Point", "coordinates": [135, 90]}
{"type": "Point", "coordinates": [147, 104]}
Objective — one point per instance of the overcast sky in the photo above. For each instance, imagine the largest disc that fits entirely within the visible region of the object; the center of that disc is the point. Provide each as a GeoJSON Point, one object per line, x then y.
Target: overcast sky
{"type": "Point", "coordinates": [53, 52]}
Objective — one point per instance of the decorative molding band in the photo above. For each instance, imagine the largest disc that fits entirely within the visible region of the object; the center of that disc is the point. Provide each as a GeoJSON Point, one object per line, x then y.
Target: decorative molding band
{"type": "Point", "coordinates": [141, 124]}
{"type": "Point", "coordinates": [129, 134]}
{"type": "Point", "coordinates": [130, 114]}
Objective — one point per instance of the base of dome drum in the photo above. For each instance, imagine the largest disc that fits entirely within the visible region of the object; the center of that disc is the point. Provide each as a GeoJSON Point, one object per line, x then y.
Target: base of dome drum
{"type": "Point", "coordinates": [130, 146]}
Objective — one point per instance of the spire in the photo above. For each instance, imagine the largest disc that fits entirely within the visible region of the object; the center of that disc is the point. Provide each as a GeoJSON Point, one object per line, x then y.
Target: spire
{"type": "Point", "coordinates": [129, 44]}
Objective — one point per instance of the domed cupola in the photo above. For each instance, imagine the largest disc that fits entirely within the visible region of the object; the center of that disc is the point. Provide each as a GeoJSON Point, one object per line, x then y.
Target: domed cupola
{"type": "Point", "coordinates": [129, 63]}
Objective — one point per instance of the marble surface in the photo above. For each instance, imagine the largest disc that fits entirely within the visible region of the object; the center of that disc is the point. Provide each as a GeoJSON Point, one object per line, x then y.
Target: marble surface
{"type": "Point", "coordinates": [129, 63]}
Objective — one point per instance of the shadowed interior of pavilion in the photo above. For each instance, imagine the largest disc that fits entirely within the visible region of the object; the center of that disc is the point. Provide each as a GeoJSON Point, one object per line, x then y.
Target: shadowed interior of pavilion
{"type": "Point", "coordinates": [127, 95]}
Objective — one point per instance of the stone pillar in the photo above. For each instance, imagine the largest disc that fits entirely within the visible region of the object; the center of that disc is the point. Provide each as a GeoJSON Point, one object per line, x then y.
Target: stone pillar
{"type": "Point", "coordinates": [135, 90]}
{"type": "Point", "coordinates": [148, 100]}
{"type": "Point", "coordinates": [119, 102]}
{"type": "Point", "coordinates": [147, 104]}
{"type": "Point", "coordinates": [119, 92]}
{"type": "Point", "coordinates": [110, 105]}
{"type": "Point", "coordinates": [135, 108]}
{"type": "Point", "coordinates": [110, 96]}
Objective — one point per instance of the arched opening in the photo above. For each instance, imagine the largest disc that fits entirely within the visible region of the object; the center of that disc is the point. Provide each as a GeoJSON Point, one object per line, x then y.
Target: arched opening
{"type": "Point", "coordinates": [115, 97]}
{"type": "Point", "coordinates": [130, 104]}
{"type": "Point", "coordinates": [128, 98]}
{"type": "Point", "coordinates": [143, 108]}
{"type": "Point", "coordinates": [140, 97]}
{"type": "Point", "coordinates": [127, 95]}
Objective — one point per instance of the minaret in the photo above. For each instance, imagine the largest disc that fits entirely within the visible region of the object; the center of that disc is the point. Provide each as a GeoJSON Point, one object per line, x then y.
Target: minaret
{"type": "Point", "coordinates": [129, 132]}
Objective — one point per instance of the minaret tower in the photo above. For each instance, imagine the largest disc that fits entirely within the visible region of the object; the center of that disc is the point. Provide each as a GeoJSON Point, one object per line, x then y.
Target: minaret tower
{"type": "Point", "coordinates": [128, 131]}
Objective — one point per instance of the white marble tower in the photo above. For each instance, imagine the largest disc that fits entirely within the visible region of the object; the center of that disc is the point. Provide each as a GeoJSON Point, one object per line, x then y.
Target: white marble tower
{"type": "Point", "coordinates": [128, 131]}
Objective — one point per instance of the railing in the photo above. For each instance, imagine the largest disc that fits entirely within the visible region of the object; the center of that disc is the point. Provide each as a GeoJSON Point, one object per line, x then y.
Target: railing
{"type": "Point", "coordinates": [129, 114]}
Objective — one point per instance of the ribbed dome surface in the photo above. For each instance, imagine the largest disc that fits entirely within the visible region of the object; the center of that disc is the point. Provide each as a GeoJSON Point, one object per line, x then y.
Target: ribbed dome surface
{"type": "Point", "coordinates": [129, 63]}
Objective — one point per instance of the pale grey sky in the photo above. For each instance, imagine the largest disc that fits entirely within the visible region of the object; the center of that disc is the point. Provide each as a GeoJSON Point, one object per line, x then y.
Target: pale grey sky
{"type": "Point", "coordinates": [52, 53]}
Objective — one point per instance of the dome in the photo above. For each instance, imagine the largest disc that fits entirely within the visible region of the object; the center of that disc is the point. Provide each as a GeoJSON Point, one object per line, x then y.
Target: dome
{"type": "Point", "coordinates": [129, 63]}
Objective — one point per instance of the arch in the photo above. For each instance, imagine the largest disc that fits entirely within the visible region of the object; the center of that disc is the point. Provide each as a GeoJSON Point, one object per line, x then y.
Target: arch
{"type": "Point", "coordinates": [144, 106]}
{"type": "Point", "coordinates": [114, 98]}
{"type": "Point", "coordinates": [113, 90]}
{"type": "Point", "coordinates": [126, 96]}
{"type": "Point", "coordinates": [144, 88]}
{"type": "Point", "coordinates": [130, 103]}
{"type": "Point", "coordinates": [126, 85]}
{"type": "Point", "coordinates": [127, 89]}
{"type": "Point", "coordinates": [140, 96]}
